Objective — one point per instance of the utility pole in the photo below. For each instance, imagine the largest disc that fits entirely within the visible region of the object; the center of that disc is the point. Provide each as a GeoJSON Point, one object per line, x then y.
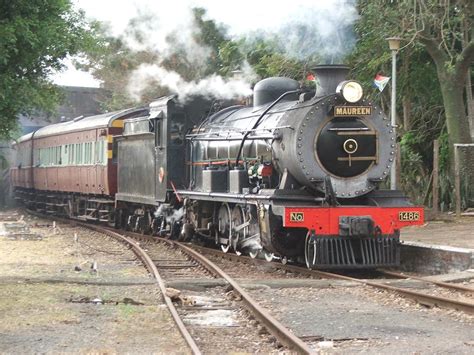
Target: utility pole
{"type": "Point", "coordinates": [394, 44]}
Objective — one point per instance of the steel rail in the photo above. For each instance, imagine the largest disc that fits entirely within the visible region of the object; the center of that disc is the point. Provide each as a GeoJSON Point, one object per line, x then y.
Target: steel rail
{"type": "Point", "coordinates": [274, 327]}
{"type": "Point", "coordinates": [437, 283]}
{"type": "Point", "coordinates": [150, 265]}
{"type": "Point", "coordinates": [142, 255]}
{"type": "Point", "coordinates": [421, 298]}
{"type": "Point", "coordinates": [280, 330]}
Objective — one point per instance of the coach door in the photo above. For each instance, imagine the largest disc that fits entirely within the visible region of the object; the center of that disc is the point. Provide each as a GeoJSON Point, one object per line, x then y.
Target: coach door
{"type": "Point", "coordinates": [161, 137]}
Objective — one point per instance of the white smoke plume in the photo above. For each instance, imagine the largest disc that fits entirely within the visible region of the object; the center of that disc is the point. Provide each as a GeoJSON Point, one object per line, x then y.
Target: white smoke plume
{"type": "Point", "coordinates": [319, 29]}
{"type": "Point", "coordinates": [152, 31]}
{"type": "Point", "coordinates": [214, 85]}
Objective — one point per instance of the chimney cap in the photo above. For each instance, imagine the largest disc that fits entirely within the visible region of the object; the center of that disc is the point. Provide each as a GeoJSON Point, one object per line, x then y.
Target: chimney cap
{"type": "Point", "coordinates": [331, 66]}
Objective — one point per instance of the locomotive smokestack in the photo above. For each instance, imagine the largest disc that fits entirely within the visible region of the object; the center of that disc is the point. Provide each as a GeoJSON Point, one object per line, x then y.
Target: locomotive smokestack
{"type": "Point", "coordinates": [329, 76]}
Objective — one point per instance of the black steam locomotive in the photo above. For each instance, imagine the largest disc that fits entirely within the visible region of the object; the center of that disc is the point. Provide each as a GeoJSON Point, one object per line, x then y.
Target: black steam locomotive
{"type": "Point", "coordinates": [293, 176]}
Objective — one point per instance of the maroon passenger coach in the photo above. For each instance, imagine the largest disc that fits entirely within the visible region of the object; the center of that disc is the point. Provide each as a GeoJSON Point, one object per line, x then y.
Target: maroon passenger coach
{"type": "Point", "coordinates": [70, 167]}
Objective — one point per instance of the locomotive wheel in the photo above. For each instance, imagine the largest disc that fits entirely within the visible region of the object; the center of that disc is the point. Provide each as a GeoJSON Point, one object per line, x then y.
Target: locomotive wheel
{"type": "Point", "coordinates": [238, 219]}
{"type": "Point", "coordinates": [224, 227]}
{"type": "Point", "coordinates": [310, 250]}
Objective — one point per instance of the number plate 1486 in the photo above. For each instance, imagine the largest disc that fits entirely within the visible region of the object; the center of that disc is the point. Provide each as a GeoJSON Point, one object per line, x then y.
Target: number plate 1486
{"type": "Point", "coordinates": [409, 216]}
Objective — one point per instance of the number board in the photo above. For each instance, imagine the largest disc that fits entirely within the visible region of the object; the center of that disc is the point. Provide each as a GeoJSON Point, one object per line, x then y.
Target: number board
{"type": "Point", "coordinates": [408, 216]}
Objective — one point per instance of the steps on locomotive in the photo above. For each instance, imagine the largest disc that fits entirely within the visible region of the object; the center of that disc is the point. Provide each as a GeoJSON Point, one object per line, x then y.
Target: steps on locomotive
{"type": "Point", "coordinates": [96, 210]}
{"type": "Point", "coordinates": [56, 204]}
{"type": "Point", "coordinates": [91, 218]}
{"type": "Point", "coordinates": [107, 202]}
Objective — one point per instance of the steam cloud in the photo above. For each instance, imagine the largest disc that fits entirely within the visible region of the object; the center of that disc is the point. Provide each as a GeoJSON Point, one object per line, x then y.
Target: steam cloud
{"type": "Point", "coordinates": [321, 30]}
{"type": "Point", "coordinates": [214, 85]}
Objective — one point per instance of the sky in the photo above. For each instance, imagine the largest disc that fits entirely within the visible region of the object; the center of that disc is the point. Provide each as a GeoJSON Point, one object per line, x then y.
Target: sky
{"type": "Point", "coordinates": [240, 18]}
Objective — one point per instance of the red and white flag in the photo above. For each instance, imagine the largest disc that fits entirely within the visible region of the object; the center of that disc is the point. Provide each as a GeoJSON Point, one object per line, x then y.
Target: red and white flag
{"type": "Point", "coordinates": [381, 81]}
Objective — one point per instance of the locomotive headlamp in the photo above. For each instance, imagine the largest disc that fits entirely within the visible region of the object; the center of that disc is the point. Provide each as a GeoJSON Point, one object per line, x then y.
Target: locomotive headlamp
{"type": "Point", "coordinates": [350, 90]}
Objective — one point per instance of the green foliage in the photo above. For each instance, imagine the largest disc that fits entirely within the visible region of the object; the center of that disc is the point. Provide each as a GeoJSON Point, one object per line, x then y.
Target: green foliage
{"type": "Point", "coordinates": [213, 36]}
{"type": "Point", "coordinates": [415, 177]}
{"type": "Point", "coordinates": [115, 62]}
{"type": "Point", "coordinates": [430, 64]}
{"type": "Point", "coordinates": [267, 59]}
{"type": "Point", "coordinates": [444, 152]}
{"type": "Point", "coordinates": [34, 36]}
{"type": "Point", "coordinates": [112, 63]}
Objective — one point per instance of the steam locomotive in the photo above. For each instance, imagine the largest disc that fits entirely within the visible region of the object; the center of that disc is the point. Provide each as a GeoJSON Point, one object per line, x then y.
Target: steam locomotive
{"type": "Point", "coordinates": [295, 175]}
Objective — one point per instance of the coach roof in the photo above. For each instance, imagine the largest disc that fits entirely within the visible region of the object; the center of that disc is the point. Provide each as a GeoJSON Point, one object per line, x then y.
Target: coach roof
{"type": "Point", "coordinates": [86, 123]}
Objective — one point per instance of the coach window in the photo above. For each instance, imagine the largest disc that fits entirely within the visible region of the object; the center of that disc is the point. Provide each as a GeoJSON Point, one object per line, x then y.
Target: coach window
{"type": "Point", "coordinates": [81, 153]}
{"type": "Point", "coordinates": [89, 154]}
{"type": "Point", "coordinates": [92, 151]}
{"type": "Point", "coordinates": [87, 159]}
{"type": "Point", "coordinates": [102, 152]}
{"type": "Point", "coordinates": [158, 128]}
{"type": "Point", "coordinates": [114, 152]}
{"type": "Point", "coordinates": [86, 152]}
{"type": "Point", "coordinates": [78, 153]}
{"type": "Point", "coordinates": [86, 156]}
{"type": "Point", "coordinates": [157, 117]}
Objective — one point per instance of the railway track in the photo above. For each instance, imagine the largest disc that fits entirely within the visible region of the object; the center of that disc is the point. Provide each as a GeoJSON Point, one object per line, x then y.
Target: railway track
{"type": "Point", "coordinates": [163, 268]}
{"type": "Point", "coordinates": [424, 298]}
{"type": "Point", "coordinates": [9, 217]}
{"type": "Point", "coordinates": [195, 259]}
{"type": "Point", "coordinates": [272, 326]}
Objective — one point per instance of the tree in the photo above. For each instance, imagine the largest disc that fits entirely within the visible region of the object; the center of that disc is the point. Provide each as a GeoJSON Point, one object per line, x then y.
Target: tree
{"type": "Point", "coordinates": [114, 62]}
{"type": "Point", "coordinates": [441, 29]}
{"type": "Point", "coordinates": [268, 59]}
{"type": "Point", "coordinates": [432, 66]}
{"type": "Point", "coordinates": [444, 28]}
{"type": "Point", "coordinates": [35, 35]}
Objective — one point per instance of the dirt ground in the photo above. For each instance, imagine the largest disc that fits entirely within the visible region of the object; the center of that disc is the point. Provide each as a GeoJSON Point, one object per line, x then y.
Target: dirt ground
{"type": "Point", "coordinates": [58, 295]}
{"type": "Point", "coordinates": [353, 320]}
{"type": "Point", "coordinates": [452, 232]}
